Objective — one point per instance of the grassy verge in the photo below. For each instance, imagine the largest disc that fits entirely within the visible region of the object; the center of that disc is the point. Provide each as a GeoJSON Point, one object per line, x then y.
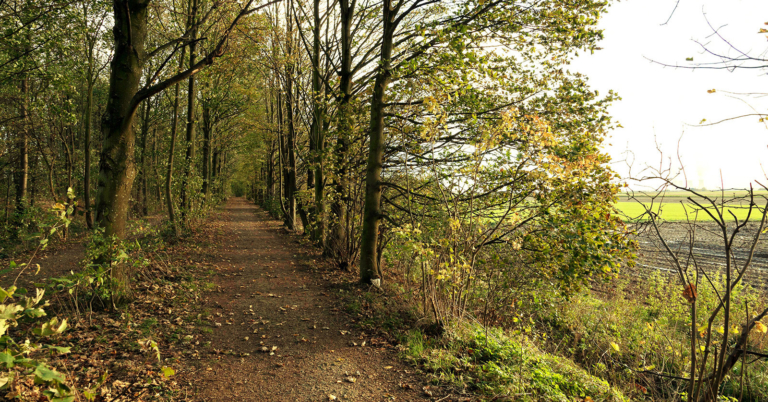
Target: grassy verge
{"type": "Point", "coordinates": [492, 364]}
{"type": "Point", "coordinates": [501, 367]}
{"type": "Point", "coordinates": [615, 346]}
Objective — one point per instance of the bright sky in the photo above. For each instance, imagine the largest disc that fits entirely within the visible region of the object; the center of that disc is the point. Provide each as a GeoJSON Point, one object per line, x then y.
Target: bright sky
{"type": "Point", "coordinates": [666, 102]}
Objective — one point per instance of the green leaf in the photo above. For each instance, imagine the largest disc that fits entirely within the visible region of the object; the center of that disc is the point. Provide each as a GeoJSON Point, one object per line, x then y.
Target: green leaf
{"type": "Point", "coordinates": [4, 294]}
{"type": "Point", "coordinates": [89, 395]}
{"type": "Point", "coordinates": [50, 327]}
{"type": "Point", "coordinates": [46, 375]}
{"type": "Point", "coordinates": [8, 312]}
{"type": "Point", "coordinates": [34, 312]}
{"type": "Point", "coordinates": [7, 358]}
{"type": "Point", "coordinates": [59, 349]}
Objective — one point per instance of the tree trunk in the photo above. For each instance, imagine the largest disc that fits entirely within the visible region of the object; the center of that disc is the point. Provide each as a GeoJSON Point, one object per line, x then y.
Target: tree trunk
{"type": "Point", "coordinates": [369, 267]}
{"type": "Point", "coordinates": [207, 128]}
{"type": "Point", "coordinates": [172, 150]}
{"type": "Point", "coordinates": [186, 203]}
{"type": "Point", "coordinates": [87, 148]}
{"type": "Point", "coordinates": [317, 130]}
{"type": "Point", "coordinates": [338, 243]}
{"type": "Point", "coordinates": [22, 172]}
{"type": "Point", "coordinates": [117, 166]}
{"type": "Point", "coordinates": [290, 184]}
{"type": "Point", "coordinates": [158, 195]}
{"type": "Point", "coordinates": [271, 172]}
{"type": "Point", "coordinates": [143, 205]}
{"type": "Point", "coordinates": [214, 169]}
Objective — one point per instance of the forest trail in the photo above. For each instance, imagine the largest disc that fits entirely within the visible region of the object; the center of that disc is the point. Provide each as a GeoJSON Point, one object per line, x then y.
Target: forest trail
{"type": "Point", "coordinates": [288, 340]}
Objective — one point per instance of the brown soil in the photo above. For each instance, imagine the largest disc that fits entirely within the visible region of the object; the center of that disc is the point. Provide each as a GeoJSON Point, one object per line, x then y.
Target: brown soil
{"type": "Point", "coordinates": [278, 335]}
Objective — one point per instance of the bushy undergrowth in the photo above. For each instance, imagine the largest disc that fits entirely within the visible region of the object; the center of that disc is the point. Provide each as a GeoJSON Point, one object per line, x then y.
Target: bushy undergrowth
{"type": "Point", "coordinates": [489, 362]}
{"type": "Point", "coordinates": [20, 232]}
{"type": "Point", "coordinates": [617, 343]}
{"type": "Point", "coordinates": [640, 341]}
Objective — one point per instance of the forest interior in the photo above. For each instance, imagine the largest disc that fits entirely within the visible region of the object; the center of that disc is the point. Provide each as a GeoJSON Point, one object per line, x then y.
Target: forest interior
{"type": "Point", "coordinates": [356, 200]}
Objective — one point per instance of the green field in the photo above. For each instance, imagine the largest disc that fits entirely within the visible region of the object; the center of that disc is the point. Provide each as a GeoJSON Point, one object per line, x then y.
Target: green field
{"type": "Point", "coordinates": [674, 211]}
{"type": "Point", "coordinates": [676, 196]}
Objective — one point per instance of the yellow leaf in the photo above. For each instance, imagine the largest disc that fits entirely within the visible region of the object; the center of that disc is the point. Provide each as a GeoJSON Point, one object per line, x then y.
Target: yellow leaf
{"type": "Point", "coordinates": [721, 330]}
{"type": "Point", "coordinates": [760, 327]}
{"type": "Point", "coordinates": [615, 346]}
{"type": "Point", "coordinates": [167, 371]}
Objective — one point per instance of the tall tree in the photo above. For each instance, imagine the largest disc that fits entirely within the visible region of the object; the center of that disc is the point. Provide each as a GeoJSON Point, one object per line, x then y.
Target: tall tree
{"type": "Point", "coordinates": [117, 167]}
{"type": "Point", "coordinates": [186, 203]}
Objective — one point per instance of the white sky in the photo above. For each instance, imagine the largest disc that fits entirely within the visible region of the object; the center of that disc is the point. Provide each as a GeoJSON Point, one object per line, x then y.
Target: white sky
{"type": "Point", "coordinates": [665, 101]}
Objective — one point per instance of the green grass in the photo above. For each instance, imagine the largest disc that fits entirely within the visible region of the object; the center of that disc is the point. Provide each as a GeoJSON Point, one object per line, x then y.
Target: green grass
{"type": "Point", "coordinates": [675, 212]}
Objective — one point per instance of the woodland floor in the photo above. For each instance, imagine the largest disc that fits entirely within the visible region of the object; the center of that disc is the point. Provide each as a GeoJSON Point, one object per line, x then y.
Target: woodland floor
{"type": "Point", "coordinates": [242, 310]}
{"type": "Point", "coordinates": [271, 296]}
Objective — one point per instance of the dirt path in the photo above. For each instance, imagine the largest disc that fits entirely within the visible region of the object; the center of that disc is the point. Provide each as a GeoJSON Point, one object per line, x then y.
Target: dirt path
{"type": "Point", "coordinates": [280, 337]}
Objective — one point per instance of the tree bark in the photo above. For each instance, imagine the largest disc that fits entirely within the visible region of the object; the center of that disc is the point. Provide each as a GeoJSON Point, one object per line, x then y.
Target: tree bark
{"type": "Point", "coordinates": [369, 266]}
{"type": "Point", "coordinates": [317, 130]}
{"type": "Point", "coordinates": [290, 138]}
{"type": "Point", "coordinates": [190, 157]}
{"type": "Point", "coordinates": [117, 168]}
{"type": "Point", "coordinates": [338, 242]}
